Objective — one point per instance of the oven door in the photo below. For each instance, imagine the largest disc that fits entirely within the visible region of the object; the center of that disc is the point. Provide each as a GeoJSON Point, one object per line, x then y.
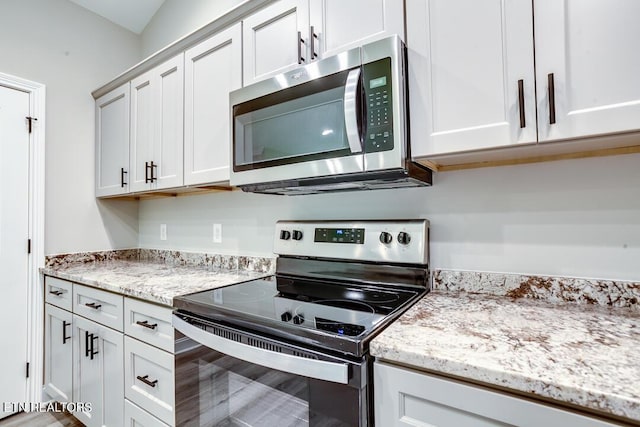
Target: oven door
{"type": "Point", "coordinates": [301, 124]}
{"type": "Point", "coordinates": [226, 376]}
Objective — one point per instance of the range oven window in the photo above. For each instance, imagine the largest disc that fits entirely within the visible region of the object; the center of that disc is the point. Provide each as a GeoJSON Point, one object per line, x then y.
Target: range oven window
{"type": "Point", "coordinates": [215, 389]}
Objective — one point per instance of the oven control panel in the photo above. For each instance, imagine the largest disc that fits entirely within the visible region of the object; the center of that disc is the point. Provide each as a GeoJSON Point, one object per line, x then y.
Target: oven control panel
{"type": "Point", "coordinates": [402, 241]}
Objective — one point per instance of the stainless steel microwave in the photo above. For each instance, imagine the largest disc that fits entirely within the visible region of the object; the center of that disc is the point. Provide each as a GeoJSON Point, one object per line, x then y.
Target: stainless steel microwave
{"type": "Point", "coordinates": [338, 124]}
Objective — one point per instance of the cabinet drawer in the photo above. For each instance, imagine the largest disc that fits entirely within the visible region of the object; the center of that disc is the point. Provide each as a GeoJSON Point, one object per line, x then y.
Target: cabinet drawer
{"type": "Point", "coordinates": [149, 379]}
{"type": "Point", "coordinates": [58, 292]}
{"type": "Point", "coordinates": [134, 416]}
{"type": "Point", "coordinates": [100, 306]}
{"type": "Point", "coordinates": [149, 323]}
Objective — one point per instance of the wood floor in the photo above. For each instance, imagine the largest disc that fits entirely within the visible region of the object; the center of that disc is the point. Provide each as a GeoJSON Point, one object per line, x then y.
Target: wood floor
{"type": "Point", "coordinates": [41, 419]}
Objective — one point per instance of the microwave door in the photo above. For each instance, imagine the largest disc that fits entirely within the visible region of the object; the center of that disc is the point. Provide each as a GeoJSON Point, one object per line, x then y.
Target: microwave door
{"type": "Point", "coordinates": [308, 130]}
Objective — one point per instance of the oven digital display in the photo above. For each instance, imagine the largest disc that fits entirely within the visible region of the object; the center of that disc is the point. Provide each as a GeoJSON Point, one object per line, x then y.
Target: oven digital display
{"type": "Point", "coordinates": [340, 235]}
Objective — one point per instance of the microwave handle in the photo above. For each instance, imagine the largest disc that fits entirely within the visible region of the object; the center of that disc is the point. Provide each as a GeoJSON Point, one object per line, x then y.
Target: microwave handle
{"type": "Point", "coordinates": [351, 110]}
{"type": "Point", "coordinates": [318, 369]}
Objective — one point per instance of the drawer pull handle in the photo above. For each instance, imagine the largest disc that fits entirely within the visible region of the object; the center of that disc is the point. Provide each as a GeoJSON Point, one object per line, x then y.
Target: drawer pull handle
{"type": "Point", "coordinates": [58, 292]}
{"type": "Point", "coordinates": [147, 381]}
{"type": "Point", "coordinates": [93, 305]}
{"type": "Point", "coordinates": [146, 324]}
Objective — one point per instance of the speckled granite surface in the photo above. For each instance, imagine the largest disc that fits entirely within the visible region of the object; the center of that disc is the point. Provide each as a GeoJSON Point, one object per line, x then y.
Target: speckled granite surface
{"type": "Point", "coordinates": [609, 293]}
{"type": "Point", "coordinates": [587, 356]}
{"type": "Point", "coordinates": [156, 275]}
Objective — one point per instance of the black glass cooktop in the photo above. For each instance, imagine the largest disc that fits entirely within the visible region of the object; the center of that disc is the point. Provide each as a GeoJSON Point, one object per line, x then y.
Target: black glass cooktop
{"type": "Point", "coordinates": [318, 311]}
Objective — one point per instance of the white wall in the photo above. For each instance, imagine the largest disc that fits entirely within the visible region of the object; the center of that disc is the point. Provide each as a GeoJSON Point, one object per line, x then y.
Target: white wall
{"type": "Point", "coordinates": [177, 18]}
{"type": "Point", "coordinates": [570, 218]}
{"type": "Point", "coordinates": [72, 51]}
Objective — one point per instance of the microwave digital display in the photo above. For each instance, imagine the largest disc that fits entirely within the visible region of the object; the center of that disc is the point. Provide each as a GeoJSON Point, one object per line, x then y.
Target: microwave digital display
{"type": "Point", "coordinates": [380, 81]}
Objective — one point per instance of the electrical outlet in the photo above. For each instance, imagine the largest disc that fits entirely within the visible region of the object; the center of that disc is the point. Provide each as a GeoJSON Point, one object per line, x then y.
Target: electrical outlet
{"type": "Point", "coordinates": [163, 231]}
{"type": "Point", "coordinates": [217, 233]}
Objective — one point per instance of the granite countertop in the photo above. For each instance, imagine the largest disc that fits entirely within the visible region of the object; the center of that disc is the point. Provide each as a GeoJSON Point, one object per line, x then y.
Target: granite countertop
{"type": "Point", "coordinates": [153, 281]}
{"type": "Point", "coordinates": [585, 355]}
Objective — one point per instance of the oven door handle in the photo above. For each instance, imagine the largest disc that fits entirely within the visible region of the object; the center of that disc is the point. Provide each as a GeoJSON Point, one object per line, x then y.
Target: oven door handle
{"type": "Point", "coordinates": [351, 110]}
{"type": "Point", "coordinates": [318, 369]}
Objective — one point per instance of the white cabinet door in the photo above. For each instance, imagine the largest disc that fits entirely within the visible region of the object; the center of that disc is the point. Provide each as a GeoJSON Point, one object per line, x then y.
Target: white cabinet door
{"type": "Point", "coordinates": [466, 59]}
{"type": "Point", "coordinates": [591, 48]}
{"type": "Point", "coordinates": [156, 151]}
{"type": "Point", "coordinates": [98, 373]}
{"type": "Point", "coordinates": [213, 68]}
{"type": "Point", "coordinates": [58, 354]}
{"type": "Point", "coordinates": [169, 136]}
{"type": "Point", "coordinates": [142, 129]}
{"type": "Point", "coordinates": [339, 25]}
{"type": "Point", "coordinates": [408, 398]}
{"type": "Point", "coordinates": [275, 39]}
{"type": "Point", "coordinates": [112, 142]}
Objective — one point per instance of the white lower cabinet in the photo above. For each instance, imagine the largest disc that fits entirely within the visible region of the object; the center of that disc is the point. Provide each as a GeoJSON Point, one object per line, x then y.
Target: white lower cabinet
{"type": "Point", "coordinates": [404, 397]}
{"type": "Point", "coordinates": [58, 355]}
{"type": "Point", "coordinates": [136, 417]}
{"type": "Point", "coordinates": [149, 382]}
{"type": "Point", "coordinates": [97, 373]}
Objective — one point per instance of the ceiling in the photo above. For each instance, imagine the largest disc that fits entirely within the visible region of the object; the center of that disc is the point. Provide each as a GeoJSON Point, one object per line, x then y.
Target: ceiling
{"type": "Point", "coordinates": [134, 15]}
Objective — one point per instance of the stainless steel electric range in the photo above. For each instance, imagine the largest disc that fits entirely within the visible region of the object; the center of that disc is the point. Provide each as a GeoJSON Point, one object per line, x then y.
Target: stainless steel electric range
{"type": "Point", "coordinates": [292, 349]}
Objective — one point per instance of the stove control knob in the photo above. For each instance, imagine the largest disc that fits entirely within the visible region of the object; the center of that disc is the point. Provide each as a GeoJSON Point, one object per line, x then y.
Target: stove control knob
{"type": "Point", "coordinates": [285, 234]}
{"type": "Point", "coordinates": [286, 316]}
{"type": "Point", "coordinates": [385, 237]}
{"type": "Point", "coordinates": [297, 235]}
{"type": "Point", "coordinates": [404, 238]}
{"type": "Point", "coordinates": [298, 319]}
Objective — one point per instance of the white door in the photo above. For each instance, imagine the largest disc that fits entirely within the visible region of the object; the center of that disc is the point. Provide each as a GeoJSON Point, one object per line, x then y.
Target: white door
{"type": "Point", "coordinates": [339, 25]}
{"type": "Point", "coordinates": [275, 39]}
{"type": "Point", "coordinates": [169, 119]}
{"type": "Point", "coordinates": [213, 68]}
{"type": "Point", "coordinates": [98, 374]}
{"type": "Point", "coordinates": [466, 61]}
{"type": "Point", "coordinates": [588, 52]}
{"type": "Point", "coordinates": [58, 353]}
{"type": "Point", "coordinates": [112, 142]}
{"type": "Point", "coordinates": [142, 132]}
{"type": "Point", "coordinates": [14, 230]}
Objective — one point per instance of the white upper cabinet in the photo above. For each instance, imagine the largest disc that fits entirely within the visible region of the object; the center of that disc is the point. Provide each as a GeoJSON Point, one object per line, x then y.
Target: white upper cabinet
{"type": "Point", "coordinates": [156, 149]}
{"type": "Point", "coordinates": [471, 75]}
{"type": "Point", "coordinates": [290, 33]}
{"type": "Point", "coordinates": [112, 142]}
{"type": "Point", "coordinates": [338, 25]}
{"type": "Point", "coordinates": [590, 52]}
{"type": "Point", "coordinates": [275, 39]}
{"type": "Point", "coordinates": [213, 68]}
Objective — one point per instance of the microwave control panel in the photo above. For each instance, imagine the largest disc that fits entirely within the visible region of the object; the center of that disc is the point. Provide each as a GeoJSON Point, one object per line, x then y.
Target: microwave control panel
{"type": "Point", "coordinates": [379, 110]}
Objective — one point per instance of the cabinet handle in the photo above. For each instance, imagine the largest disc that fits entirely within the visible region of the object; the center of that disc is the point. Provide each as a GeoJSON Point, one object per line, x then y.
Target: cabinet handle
{"type": "Point", "coordinates": [313, 37]}
{"type": "Point", "coordinates": [93, 305]}
{"type": "Point", "coordinates": [552, 99]}
{"type": "Point", "coordinates": [64, 331]}
{"type": "Point", "coordinates": [146, 172]}
{"type": "Point", "coordinates": [300, 42]}
{"type": "Point", "coordinates": [153, 168]}
{"type": "Point", "coordinates": [58, 292]}
{"type": "Point", "coordinates": [146, 380]}
{"type": "Point", "coordinates": [93, 340]}
{"type": "Point", "coordinates": [523, 122]}
{"type": "Point", "coordinates": [146, 324]}
{"type": "Point", "coordinates": [86, 343]}
{"type": "Point", "coordinates": [122, 173]}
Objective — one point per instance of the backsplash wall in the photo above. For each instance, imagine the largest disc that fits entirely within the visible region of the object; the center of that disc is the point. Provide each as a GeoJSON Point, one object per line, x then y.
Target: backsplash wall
{"type": "Point", "coordinates": [576, 218]}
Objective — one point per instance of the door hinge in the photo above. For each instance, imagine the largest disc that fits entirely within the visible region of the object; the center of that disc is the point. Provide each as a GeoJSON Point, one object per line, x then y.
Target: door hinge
{"type": "Point", "coordinates": [27, 369]}
{"type": "Point", "coordinates": [30, 121]}
{"type": "Point", "coordinates": [29, 246]}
